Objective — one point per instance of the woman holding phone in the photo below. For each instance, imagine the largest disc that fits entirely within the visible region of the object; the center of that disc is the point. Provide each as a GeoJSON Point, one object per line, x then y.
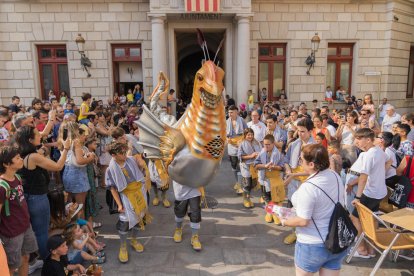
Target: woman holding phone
{"type": "Point", "coordinates": [346, 135]}
{"type": "Point", "coordinates": [75, 176]}
{"type": "Point", "coordinates": [35, 179]}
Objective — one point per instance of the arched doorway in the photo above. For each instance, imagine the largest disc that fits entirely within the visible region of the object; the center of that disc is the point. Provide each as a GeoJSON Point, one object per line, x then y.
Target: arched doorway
{"type": "Point", "coordinates": [190, 56]}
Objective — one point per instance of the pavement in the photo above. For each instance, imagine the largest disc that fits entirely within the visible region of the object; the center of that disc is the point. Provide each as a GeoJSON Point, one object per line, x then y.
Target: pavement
{"type": "Point", "coordinates": [236, 241]}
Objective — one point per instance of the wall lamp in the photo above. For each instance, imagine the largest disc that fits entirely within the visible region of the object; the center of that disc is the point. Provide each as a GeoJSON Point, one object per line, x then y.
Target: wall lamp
{"type": "Point", "coordinates": [85, 61]}
{"type": "Point", "coordinates": [310, 60]}
{"type": "Point", "coordinates": [130, 71]}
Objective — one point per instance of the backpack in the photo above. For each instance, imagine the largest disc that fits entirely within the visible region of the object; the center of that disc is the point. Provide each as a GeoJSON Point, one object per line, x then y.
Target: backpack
{"type": "Point", "coordinates": [5, 185]}
{"type": "Point", "coordinates": [110, 201]}
{"type": "Point", "coordinates": [398, 156]}
{"type": "Point", "coordinates": [341, 232]}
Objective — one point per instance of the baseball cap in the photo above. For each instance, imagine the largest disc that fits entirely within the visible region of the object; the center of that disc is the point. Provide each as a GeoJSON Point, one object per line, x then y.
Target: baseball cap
{"type": "Point", "coordinates": [54, 242]}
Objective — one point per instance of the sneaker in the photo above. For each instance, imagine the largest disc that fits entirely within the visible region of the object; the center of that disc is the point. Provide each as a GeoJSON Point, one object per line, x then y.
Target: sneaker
{"type": "Point", "coordinates": [239, 191]}
{"type": "Point", "coordinates": [123, 254]}
{"type": "Point", "coordinates": [237, 186]}
{"type": "Point", "coordinates": [137, 246]}
{"type": "Point", "coordinates": [156, 201]}
{"type": "Point", "coordinates": [251, 204]}
{"type": "Point", "coordinates": [99, 260]}
{"type": "Point", "coordinates": [276, 220]}
{"type": "Point", "coordinates": [178, 234]}
{"type": "Point", "coordinates": [247, 203]}
{"type": "Point", "coordinates": [35, 266]}
{"type": "Point", "coordinates": [195, 242]}
{"type": "Point", "coordinates": [166, 203]}
{"type": "Point", "coordinates": [268, 218]}
{"type": "Point", "coordinates": [290, 239]}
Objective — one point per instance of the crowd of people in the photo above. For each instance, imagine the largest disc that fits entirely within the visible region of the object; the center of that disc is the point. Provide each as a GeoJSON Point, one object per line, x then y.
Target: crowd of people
{"type": "Point", "coordinates": [55, 156]}
{"type": "Point", "coordinates": [349, 154]}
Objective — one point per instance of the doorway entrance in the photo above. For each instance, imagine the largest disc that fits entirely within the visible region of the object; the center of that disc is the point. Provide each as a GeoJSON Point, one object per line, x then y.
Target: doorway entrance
{"type": "Point", "coordinates": [190, 56]}
{"type": "Point", "coordinates": [127, 67]}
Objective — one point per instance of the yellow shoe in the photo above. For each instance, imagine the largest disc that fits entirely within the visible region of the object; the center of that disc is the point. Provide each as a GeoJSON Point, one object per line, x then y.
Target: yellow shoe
{"type": "Point", "coordinates": [239, 191]}
{"type": "Point", "coordinates": [137, 246]}
{"type": "Point", "coordinates": [195, 242]}
{"type": "Point", "coordinates": [276, 220]}
{"type": "Point", "coordinates": [237, 186]}
{"type": "Point", "coordinates": [166, 203]}
{"type": "Point", "coordinates": [155, 201]}
{"type": "Point", "coordinates": [290, 239]}
{"type": "Point", "coordinates": [251, 204]}
{"type": "Point", "coordinates": [268, 218]}
{"type": "Point", "coordinates": [123, 254]}
{"type": "Point", "coordinates": [178, 234]}
{"type": "Point", "coordinates": [246, 203]}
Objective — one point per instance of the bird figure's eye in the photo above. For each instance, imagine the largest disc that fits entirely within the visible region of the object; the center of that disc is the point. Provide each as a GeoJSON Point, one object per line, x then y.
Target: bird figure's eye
{"type": "Point", "coordinates": [199, 77]}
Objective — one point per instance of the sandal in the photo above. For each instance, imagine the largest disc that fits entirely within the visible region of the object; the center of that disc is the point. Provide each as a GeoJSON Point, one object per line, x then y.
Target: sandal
{"type": "Point", "coordinates": [96, 225]}
{"type": "Point", "coordinates": [100, 254]}
{"type": "Point", "coordinates": [99, 260]}
{"type": "Point", "coordinates": [358, 255]}
{"type": "Point", "coordinates": [101, 244]}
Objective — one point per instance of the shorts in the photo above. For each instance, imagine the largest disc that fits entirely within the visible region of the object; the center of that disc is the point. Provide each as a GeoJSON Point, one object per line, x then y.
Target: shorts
{"type": "Point", "coordinates": [371, 203]}
{"type": "Point", "coordinates": [84, 121]}
{"type": "Point", "coordinates": [123, 226]}
{"type": "Point", "coordinates": [312, 257]}
{"type": "Point", "coordinates": [19, 246]}
{"type": "Point", "coordinates": [75, 257]}
{"type": "Point", "coordinates": [181, 209]}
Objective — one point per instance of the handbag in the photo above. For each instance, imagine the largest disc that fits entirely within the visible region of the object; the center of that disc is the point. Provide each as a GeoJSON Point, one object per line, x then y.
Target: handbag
{"type": "Point", "coordinates": [341, 232]}
{"type": "Point", "coordinates": [110, 201]}
{"type": "Point", "coordinates": [402, 189]}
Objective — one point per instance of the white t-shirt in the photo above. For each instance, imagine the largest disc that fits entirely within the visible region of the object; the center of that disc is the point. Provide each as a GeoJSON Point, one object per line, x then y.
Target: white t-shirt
{"type": "Point", "coordinates": [391, 171]}
{"type": "Point", "coordinates": [259, 130]}
{"type": "Point", "coordinates": [4, 134]}
{"type": "Point", "coordinates": [328, 94]}
{"type": "Point", "coordinates": [383, 111]}
{"type": "Point", "coordinates": [373, 165]}
{"type": "Point", "coordinates": [388, 121]}
{"type": "Point", "coordinates": [311, 202]}
{"type": "Point", "coordinates": [332, 130]}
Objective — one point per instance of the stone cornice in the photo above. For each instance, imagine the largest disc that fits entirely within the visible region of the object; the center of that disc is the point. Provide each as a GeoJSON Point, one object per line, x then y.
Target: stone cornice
{"type": "Point", "coordinates": [177, 6]}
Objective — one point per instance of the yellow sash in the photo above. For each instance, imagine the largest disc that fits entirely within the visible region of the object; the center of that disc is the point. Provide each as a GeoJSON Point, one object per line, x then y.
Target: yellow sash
{"type": "Point", "coordinates": [163, 174]}
{"type": "Point", "coordinates": [253, 171]}
{"type": "Point", "coordinates": [277, 188]}
{"type": "Point", "coordinates": [134, 194]}
{"type": "Point", "coordinates": [235, 141]}
{"type": "Point", "coordinates": [299, 169]}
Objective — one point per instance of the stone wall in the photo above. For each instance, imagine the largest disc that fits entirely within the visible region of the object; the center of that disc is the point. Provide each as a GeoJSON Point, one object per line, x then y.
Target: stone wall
{"type": "Point", "coordinates": [24, 24]}
{"type": "Point", "coordinates": [381, 43]}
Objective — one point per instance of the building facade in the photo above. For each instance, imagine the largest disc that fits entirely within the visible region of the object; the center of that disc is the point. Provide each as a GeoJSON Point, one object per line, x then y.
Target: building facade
{"type": "Point", "coordinates": [365, 47]}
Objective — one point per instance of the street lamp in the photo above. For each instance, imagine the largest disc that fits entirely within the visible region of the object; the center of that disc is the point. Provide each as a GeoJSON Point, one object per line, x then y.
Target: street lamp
{"type": "Point", "coordinates": [310, 60]}
{"type": "Point", "coordinates": [85, 62]}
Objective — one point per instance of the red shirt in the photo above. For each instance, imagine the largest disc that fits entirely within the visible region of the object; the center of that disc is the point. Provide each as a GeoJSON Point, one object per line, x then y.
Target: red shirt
{"type": "Point", "coordinates": [411, 177]}
{"type": "Point", "coordinates": [19, 219]}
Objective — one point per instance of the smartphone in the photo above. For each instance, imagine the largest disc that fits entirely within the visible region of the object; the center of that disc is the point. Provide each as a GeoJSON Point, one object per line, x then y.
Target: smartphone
{"type": "Point", "coordinates": [65, 133]}
{"type": "Point", "coordinates": [342, 117]}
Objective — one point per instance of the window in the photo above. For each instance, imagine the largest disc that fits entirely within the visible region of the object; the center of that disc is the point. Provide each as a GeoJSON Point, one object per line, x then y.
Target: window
{"type": "Point", "coordinates": [410, 87]}
{"type": "Point", "coordinates": [53, 67]}
{"type": "Point", "coordinates": [339, 70]}
{"type": "Point", "coordinates": [126, 52]}
{"type": "Point", "coordinates": [272, 68]}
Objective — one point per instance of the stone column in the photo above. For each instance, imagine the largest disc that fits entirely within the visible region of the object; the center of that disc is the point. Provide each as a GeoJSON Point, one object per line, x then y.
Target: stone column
{"type": "Point", "coordinates": [159, 47]}
{"type": "Point", "coordinates": [243, 57]}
